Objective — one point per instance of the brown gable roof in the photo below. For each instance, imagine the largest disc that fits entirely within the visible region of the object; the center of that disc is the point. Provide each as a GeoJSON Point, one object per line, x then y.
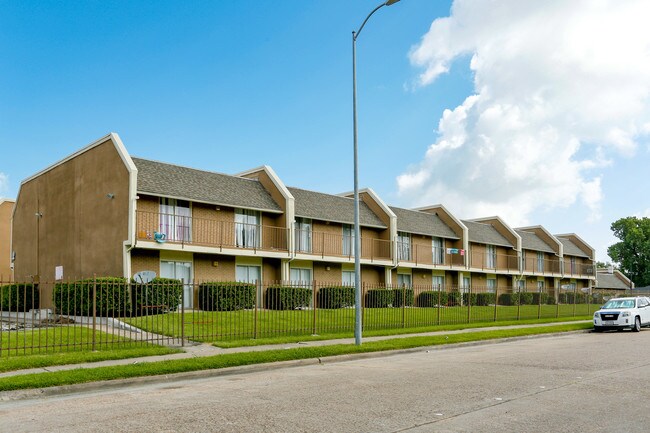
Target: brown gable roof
{"type": "Point", "coordinates": [328, 207]}
{"type": "Point", "coordinates": [169, 180]}
{"type": "Point", "coordinates": [422, 223]}
{"type": "Point", "coordinates": [572, 249]}
{"type": "Point", "coordinates": [482, 233]}
{"type": "Point", "coordinates": [530, 241]}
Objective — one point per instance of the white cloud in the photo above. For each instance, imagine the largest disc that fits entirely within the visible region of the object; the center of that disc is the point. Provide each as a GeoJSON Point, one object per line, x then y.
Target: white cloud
{"type": "Point", "coordinates": [4, 184]}
{"type": "Point", "coordinates": [560, 87]}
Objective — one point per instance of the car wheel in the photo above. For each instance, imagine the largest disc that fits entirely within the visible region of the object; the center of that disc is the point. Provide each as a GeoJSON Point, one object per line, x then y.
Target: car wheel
{"type": "Point", "coordinates": [637, 324]}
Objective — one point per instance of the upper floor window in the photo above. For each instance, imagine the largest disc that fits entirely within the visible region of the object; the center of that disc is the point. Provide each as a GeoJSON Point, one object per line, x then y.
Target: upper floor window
{"type": "Point", "coordinates": [403, 246]}
{"type": "Point", "coordinates": [175, 219]}
{"type": "Point", "coordinates": [491, 256]}
{"type": "Point", "coordinates": [303, 235]}
{"type": "Point", "coordinates": [438, 250]}
{"type": "Point", "coordinates": [348, 240]}
{"type": "Point", "coordinates": [247, 228]}
{"type": "Point", "coordinates": [540, 261]}
{"type": "Point", "coordinates": [573, 265]}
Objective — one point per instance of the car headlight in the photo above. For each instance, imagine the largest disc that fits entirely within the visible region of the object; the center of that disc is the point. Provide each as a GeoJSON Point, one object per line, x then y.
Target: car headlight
{"type": "Point", "coordinates": [625, 314]}
{"type": "Point", "coordinates": [596, 315]}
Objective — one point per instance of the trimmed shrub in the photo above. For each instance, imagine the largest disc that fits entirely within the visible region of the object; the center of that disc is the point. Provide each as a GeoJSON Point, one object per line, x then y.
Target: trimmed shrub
{"type": "Point", "coordinates": [76, 298]}
{"type": "Point", "coordinates": [430, 298]}
{"type": "Point", "coordinates": [516, 298]}
{"type": "Point", "coordinates": [403, 297]}
{"type": "Point", "coordinates": [453, 299]}
{"type": "Point", "coordinates": [19, 297]}
{"type": "Point", "coordinates": [335, 297]}
{"type": "Point", "coordinates": [157, 296]}
{"type": "Point", "coordinates": [226, 296]}
{"type": "Point", "coordinates": [540, 298]}
{"type": "Point", "coordinates": [573, 298]}
{"type": "Point", "coordinates": [550, 300]}
{"type": "Point", "coordinates": [287, 298]}
{"type": "Point", "coordinates": [480, 299]}
{"type": "Point", "coordinates": [379, 298]}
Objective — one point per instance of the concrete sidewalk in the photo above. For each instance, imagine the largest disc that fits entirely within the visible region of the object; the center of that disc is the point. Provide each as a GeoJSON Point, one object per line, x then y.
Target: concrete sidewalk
{"type": "Point", "coordinates": [194, 350]}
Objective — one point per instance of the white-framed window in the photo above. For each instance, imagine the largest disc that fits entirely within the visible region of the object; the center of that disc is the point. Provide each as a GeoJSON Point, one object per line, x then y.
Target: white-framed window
{"type": "Point", "coordinates": [466, 283]}
{"type": "Point", "coordinates": [247, 228]}
{"type": "Point", "coordinates": [404, 280]}
{"type": "Point", "coordinates": [175, 220]}
{"type": "Point", "coordinates": [347, 278]}
{"type": "Point", "coordinates": [540, 261]}
{"type": "Point", "coordinates": [179, 271]}
{"type": "Point", "coordinates": [248, 273]}
{"type": "Point", "coordinates": [438, 250]}
{"type": "Point", "coordinates": [403, 246]}
{"type": "Point", "coordinates": [521, 285]}
{"type": "Point", "coordinates": [303, 235]}
{"type": "Point", "coordinates": [540, 285]}
{"type": "Point", "coordinates": [573, 265]}
{"type": "Point", "coordinates": [348, 240]}
{"type": "Point", "coordinates": [491, 256]}
{"type": "Point", "coordinates": [301, 277]}
{"type": "Point", "coordinates": [491, 285]}
{"type": "Point", "coordinates": [438, 282]}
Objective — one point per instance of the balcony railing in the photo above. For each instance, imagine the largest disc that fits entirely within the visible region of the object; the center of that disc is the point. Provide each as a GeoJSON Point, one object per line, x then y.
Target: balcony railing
{"type": "Point", "coordinates": [339, 245]}
{"type": "Point", "coordinates": [496, 262]}
{"type": "Point", "coordinates": [427, 255]}
{"type": "Point", "coordinates": [579, 269]}
{"type": "Point", "coordinates": [208, 232]}
{"type": "Point", "coordinates": [545, 266]}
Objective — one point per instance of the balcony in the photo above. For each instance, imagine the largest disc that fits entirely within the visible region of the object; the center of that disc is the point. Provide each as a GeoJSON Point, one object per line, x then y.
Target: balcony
{"type": "Point", "coordinates": [187, 230]}
{"type": "Point", "coordinates": [494, 262]}
{"type": "Point", "coordinates": [427, 255]}
{"type": "Point", "coordinates": [324, 244]}
{"type": "Point", "coordinates": [579, 270]}
{"type": "Point", "coordinates": [536, 266]}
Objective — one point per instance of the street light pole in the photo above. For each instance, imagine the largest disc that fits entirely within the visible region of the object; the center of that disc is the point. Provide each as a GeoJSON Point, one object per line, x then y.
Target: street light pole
{"type": "Point", "coordinates": [357, 230]}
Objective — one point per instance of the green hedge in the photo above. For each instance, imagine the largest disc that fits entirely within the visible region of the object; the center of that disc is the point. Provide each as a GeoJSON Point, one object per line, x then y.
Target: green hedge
{"type": "Point", "coordinates": [335, 297]}
{"type": "Point", "coordinates": [287, 298]}
{"type": "Point", "coordinates": [75, 298]}
{"type": "Point", "coordinates": [157, 296]}
{"type": "Point", "coordinates": [517, 298]}
{"type": "Point", "coordinates": [19, 297]}
{"type": "Point", "coordinates": [479, 299]}
{"type": "Point", "coordinates": [379, 298]}
{"type": "Point", "coordinates": [430, 298]}
{"type": "Point", "coordinates": [403, 297]}
{"type": "Point", "coordinates": [573, 298]}
{"type": "Point", "coordinates": [226, 296]}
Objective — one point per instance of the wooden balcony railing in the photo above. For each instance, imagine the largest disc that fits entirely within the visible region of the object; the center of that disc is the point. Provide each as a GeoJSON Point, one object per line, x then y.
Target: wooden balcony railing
{"type": "Point", "coordinates": [211, 233]}
{"type": "Point", "coordinates": [427, 255]}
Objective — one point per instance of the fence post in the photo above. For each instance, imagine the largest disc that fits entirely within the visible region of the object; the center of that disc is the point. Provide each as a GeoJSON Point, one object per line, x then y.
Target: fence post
{"type": "Point", "coordinates": [313, 294]}
{"type": "Point", "coordinates": [439, 306]}
{"type": "Point", "coordinates": [403, 306]}
{"type": "Point", "coordinates": [183, 313]}
{"type": "Point", "coordinates": [496, 301]}
{"type": "Point", "coordinates": [557, 303]}
{"type": "Point", "coordinates": [518, 301]}
{"type": "Point", "coordinates": [469, 303]}
{"type": "Point", "coordinates": [575, 298]}
{"type": "Point", "coordinates": [539, 302]}
{"type": "Point", "coordinates": [258, 288]}
{"type": "Point", "coordinates": [94, 310]}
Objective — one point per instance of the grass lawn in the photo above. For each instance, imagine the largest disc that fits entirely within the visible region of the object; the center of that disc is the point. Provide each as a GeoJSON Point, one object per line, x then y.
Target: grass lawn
{"type": "Point", "coordinates": [213, 326]}
{"type": "Point", "coordinates": [76, 376]}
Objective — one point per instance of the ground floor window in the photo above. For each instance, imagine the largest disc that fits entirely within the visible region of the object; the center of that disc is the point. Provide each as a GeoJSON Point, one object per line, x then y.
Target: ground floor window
{"type": "Point", "coordinates": [301, 277]}
{"type": "Point", "coordinates": [248, 273]}
{"type": "Point", "coordinates": [438, 282]}
{"type": "Point", "coordinates": [347, 278]}
{"type": "Point", "coordinates": [179, 271]}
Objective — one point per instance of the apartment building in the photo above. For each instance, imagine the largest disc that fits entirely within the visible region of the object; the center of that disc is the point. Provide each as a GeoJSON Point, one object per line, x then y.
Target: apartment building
{"type": "Point", "coordinates": [6, 209]}
{"type": "Point", "coordinates": [612, 279]}
{"type": "Point", "coordinates": [103, 212]}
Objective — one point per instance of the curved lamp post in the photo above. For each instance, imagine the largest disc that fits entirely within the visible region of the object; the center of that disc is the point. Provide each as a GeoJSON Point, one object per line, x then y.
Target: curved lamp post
{"type": "Point", "coordinates": [357, 231]}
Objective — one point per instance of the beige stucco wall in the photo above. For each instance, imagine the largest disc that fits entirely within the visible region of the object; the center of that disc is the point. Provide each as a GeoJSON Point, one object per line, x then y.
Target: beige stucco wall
{"type": "Point", "coordinates": [6, 209]}
{"type": "Point", "coordinates": [81, 228]}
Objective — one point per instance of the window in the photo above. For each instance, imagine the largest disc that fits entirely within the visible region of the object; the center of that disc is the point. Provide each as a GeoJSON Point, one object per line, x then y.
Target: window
{"type": "Point", "coordinates": [303, 235]}
{"type": "Point", "coordinates": [348, 240]}
{"type": "Point", "coordinates": [467, 282]}
{"type": "Point", "coordinates": [248, 273]}
{"type": "Point", "coordinates": [404, 280]}
{"type": "Point", "coordinates": [438, 282]}
{"type": "Point", "coordinates": [438, 249]}
{"type": "Point", "coordinates": [247, 228]}
{"type": "Point", "coordinates": [491, 285]}
{"type": "Point", "coordinates": [573, 265]}
{"type": "Point", "coordinates": [540, 286]}
{"type": "Point", "coordinates": [403, 246]}
{"type": "Point", "coordinates": [301, 277]}
{"type": "Point", "coordinates": [175, 219]}
{"type": "Point", "coordinates": [540, 261]}
{"type": "Point", "coordinates": [347, 278]}
{"type": "Point", "coordinates": [521, 285]}
{"type": "Point", "coordinates": [491, 256]}
{"type": "Point", "coordinates": [179, 271]}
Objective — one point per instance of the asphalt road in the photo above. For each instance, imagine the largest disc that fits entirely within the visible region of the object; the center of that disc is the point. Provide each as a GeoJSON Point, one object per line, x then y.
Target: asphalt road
{"type": "Point", "coordinates": [581, 382]}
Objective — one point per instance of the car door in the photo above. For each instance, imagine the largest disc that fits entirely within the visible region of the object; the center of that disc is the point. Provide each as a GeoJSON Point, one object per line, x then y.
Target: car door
{"type": "Point", "coordinates": [644, 303]}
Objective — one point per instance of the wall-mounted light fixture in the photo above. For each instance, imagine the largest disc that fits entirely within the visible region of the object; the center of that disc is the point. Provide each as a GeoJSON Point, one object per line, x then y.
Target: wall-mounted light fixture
{"type": "Point", "coordinates": [110, 195]}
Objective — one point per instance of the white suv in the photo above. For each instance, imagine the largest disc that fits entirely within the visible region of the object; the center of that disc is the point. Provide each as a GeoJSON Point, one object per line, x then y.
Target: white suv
{"type": "Point", "coordinates": [622, 313]}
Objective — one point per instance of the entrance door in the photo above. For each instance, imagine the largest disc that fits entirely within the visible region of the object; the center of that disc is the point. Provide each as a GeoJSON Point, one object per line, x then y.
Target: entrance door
{"type": "Point", "coordinates": [180, 271]}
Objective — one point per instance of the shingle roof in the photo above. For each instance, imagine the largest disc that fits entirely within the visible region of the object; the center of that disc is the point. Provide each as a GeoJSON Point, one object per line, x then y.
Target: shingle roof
{"type": "Point", "coordinates": [606, 280]}
{"type": "Point", "coordinates": [531, 241]}
{"type": "Point", "coordinates": [485, 234]}
{"type": "Point", "coordinates": [328, 207]}
{"type": "Point", "coordinates": [572, 249]}
{"type": "Point", "coordinates": [169, 180]}
{"type": "Point", "coordinates": [422, 223]}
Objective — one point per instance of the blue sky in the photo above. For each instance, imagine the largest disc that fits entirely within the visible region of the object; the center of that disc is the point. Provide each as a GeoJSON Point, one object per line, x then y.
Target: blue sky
{"type": "Point", "coordinates": [231, 85]}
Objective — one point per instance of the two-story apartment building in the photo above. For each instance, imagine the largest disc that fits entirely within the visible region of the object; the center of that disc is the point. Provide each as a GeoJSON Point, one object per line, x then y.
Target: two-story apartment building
{"type": "Point", "coordinates": [103, 212]}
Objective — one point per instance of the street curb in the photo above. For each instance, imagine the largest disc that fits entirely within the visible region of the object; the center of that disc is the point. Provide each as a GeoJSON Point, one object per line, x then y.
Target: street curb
{"type": "Point", "coordinates": [246, 369]}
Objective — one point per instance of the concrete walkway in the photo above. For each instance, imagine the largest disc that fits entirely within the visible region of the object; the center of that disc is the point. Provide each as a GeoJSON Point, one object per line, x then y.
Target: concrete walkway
{"type": "Point", "coordinates": [194, 350]}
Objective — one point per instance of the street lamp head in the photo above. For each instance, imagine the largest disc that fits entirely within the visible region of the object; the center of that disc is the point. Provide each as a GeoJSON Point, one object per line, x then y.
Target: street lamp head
{"type": "Point", "coordinates": [390, 2]}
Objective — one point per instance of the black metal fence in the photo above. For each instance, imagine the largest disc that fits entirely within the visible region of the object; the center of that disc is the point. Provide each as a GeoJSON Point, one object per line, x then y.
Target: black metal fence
{"type": "Point", "coordinates": [100, 313]}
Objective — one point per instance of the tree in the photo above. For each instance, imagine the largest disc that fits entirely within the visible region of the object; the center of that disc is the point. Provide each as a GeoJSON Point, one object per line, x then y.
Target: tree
{"type": "Point", "coordinates": [632, 253]}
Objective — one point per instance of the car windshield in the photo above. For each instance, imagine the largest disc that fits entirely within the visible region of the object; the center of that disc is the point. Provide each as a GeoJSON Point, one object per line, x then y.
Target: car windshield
{"type": "Point", "coordinates": [619, 303]}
